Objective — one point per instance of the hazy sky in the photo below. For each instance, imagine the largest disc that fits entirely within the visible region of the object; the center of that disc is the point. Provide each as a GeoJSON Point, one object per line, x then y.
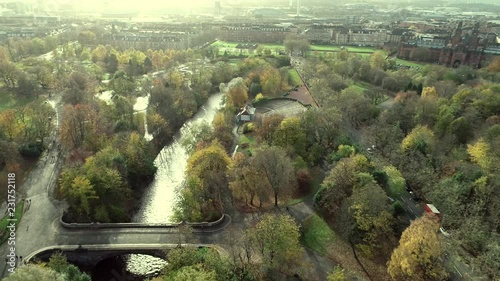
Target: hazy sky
{"type": "Point", "coordinates": [146, 4]}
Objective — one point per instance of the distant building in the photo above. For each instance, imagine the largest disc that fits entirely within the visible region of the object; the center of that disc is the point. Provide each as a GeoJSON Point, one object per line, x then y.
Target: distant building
{"type": "Point", "coordinates": [462, 48]}
{"type": "Point", "coordinates": [361, 37]}
{"type": "Point", "coordinates": [261, 34]}
{"type": "Point", "coordinates": [319, 34]}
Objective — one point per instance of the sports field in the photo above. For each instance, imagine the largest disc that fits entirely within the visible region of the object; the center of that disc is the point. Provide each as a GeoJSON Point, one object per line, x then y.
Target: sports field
{"type": "Point", "coordinates": [230, 47]}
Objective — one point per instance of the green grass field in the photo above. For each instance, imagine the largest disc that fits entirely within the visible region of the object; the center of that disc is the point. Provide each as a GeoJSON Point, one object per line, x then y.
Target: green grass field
{"type": "Point", "coordinates": [294, 77]}
{"type": "Point", "coordinates": [316, 50]}
{"type": "Point", "coordinates": [9, 100]}
{"type": "Point", "coordinates": [408, 63]}
{"type": "Point", "coordinates": [325, 48]}
{"type": "Point", "coordinates": [4, 222]}
{"type": "Point", "coordinates": [317, 234]}
{"type": "Point", "coordinates": [247, 141]}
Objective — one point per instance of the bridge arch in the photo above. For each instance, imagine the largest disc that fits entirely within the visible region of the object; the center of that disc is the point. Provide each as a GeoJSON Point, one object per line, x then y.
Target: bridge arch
{"type": "Point", "coordinates": [91, 255]}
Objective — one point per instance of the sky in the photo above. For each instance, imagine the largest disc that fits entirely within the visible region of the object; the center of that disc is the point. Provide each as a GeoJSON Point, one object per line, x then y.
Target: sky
{"type": "Point", "coordinates": [146, 4]}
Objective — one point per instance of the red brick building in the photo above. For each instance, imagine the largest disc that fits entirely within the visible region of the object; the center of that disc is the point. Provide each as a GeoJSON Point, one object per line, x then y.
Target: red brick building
{"type": "Point", "coordinates": [463, 48]}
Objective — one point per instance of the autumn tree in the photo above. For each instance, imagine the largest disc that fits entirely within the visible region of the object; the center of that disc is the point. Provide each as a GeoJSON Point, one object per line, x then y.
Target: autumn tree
{"type": "Point", "coordinates": [99, 53]}
{"type": "Point", "coordinates": [112, 63]}
{"type": "Point", "coordinates": [9, 73]}
{"type": "Point", "coordinates": [267, 127]}
{"type": "Point", "coordinates": [271, 82]}
{"type": "Point", "coordinates": [289, 134]}
{"type": "Point", "coordinates": [276, 239]}
{"type": "Point", "coordinates": [420, 138]}
{"type": "Point", "coordinates": [222, 127]}
{"type": "Point", "coordinates": [122, 86]}
{"type": "Point", "coordinates": [106, 172]}
{"type": "Point", "coordinates": [79, 125]}
{"type": "Point", "coordinates": [377, 60]}
{"type": "Point", "coordinates": [37, 119]}
{"type": "Point", "coordinates": [372, 213]}
{"type": "Point", "coordinates": [277, 170]}
{"type": "Point", "coordinates": [97, 191]}
{"type": "Point", "coordinates": [80, 194]}
{"type": "Point", "coordinates": [192, 263]}
{"type": "Point", "coordinates": [338, 184]}
{"type": "Point", "coordinates": [207, 171]}
{"type": "Point", "coordinates": [79, 88]}
{"type": "Point", "coordinates": [418, 255]}
{"type": "Point", "coordinates": [322, 129]}
{"type": "Point", "coordinates": [356, 109]}
{"type": "Point", "coordinates": [246, 181]}
{"type": "Point", "coordinates": [237, 95]}
{"type": "Point", "coordinates": [480, 153]}
{"type": "Point", "coordinates": [10, 125]}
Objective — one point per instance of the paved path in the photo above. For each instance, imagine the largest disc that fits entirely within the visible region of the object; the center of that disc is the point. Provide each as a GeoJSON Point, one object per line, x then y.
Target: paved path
{"type": "Point", "coordinates": [300, 212]}
{"type": "Point", "coordinates": [35, 228]}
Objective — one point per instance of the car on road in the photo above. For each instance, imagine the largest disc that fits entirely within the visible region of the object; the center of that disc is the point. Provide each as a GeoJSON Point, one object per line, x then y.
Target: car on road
{"type": "Point", "coordinates": [414, 196]}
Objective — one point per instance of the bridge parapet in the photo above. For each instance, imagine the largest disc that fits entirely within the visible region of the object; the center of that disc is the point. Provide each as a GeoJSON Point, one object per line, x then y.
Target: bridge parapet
{"type": "Point", "coordinates": [97, 225]}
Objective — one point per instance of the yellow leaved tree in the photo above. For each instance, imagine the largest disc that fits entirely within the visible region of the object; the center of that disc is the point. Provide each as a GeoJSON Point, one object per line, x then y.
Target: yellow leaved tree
{"type": "Point", "coordinates": [480, 153]}
{"type": "Point", "coordinates": [417, 256]}
{"type": "Point", "coordinates": [420, 138]}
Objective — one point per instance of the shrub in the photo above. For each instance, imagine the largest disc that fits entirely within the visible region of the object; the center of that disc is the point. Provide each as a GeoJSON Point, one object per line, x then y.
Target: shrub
{"type": "Point", "coordinates": [32, 150]}
{"type": "Point", "coordinates": [248, 127]}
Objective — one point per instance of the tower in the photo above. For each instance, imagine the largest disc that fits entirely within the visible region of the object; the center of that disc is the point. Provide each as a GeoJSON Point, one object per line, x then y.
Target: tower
{"type": "Point", "coordinates": [298, 8]}
{"type": "Point", "coordinates": [474, 39]}
{"type": "Point", "coordinates": [457, 36]}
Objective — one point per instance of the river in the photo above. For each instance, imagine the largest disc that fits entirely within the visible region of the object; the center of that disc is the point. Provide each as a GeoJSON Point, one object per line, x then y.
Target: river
{"type": "Point", "coordinates": [160, 198]}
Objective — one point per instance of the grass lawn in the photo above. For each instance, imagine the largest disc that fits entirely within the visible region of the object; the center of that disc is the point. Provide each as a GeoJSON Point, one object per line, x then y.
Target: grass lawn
{"type": "Point", "coordinates": [294, 77]}
{"type": "Point", "coordinates": [360, 49]}
{"type": "Point", "coordinates": [247, 139]}
{"type": "Point", "coordinates": [4, 222]}
{"type": "Point", "coordinates": [9, 100]}
{"type": "Point", "coordinates": [357, 87]}
{"type": "Point", "coordinates": [223, 44]}
{"type": "Point", "coordinates": [325, 48]}
{"type": "Point", "coordinates": [408, 63]}
{"type": "Point", "coordinates": [317, 234]}
{"type": "Point", "coordinates": [246, 142]}
{"type": "Point", "coordinates": [295, 201]}
{"type": "Point", "coordinates": [234, 61]}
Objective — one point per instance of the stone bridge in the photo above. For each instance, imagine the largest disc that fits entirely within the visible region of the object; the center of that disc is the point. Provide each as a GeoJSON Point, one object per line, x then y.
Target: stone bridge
{"type": "Point", "coordinates": [88, 244]}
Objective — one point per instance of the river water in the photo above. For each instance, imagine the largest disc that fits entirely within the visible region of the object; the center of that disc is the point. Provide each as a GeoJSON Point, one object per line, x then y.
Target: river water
{"type": "Point", "coordinates": [160, 198]}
